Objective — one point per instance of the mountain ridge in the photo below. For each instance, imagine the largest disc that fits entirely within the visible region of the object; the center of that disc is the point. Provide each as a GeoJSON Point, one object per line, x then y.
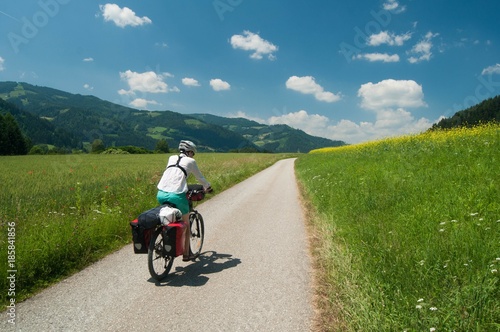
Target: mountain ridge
{"type": "Point", "coordinates": [74, 121]}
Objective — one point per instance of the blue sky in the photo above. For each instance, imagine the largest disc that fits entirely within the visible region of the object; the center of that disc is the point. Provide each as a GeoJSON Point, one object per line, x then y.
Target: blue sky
{"type": "Point", "coordinates": [346, 70]}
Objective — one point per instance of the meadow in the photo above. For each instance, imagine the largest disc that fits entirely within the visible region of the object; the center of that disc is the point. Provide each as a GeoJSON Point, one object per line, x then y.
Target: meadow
{"type": "Point", "coordinates": [61, 213]}
{"type": "Point", "coordinates": [406, 231]}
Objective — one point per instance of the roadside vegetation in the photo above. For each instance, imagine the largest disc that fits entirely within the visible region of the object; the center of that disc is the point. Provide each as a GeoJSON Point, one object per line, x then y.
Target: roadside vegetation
{"type": "Point", "coordinates": [406, 231]}
{"type": "Point", "coordinates": [71, 210]}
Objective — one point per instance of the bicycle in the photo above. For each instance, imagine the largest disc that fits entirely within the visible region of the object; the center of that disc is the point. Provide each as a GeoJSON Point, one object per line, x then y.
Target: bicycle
{"type": "Point", "coordinates": [164, 246]}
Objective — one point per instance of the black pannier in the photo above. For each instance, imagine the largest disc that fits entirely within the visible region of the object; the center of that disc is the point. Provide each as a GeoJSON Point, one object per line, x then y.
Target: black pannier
{"type": "Point", "coordinates": [141, 237]}
{"type": "Point", "coordinates": [169, 240]}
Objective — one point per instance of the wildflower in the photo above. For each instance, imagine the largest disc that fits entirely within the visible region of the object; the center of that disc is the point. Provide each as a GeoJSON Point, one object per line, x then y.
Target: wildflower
{"type": "Point", "coordinates": [454, 220]}
{"type": "Point", "coordinates": [433, 308]}
{"type": "Point", "coordinates": [497, 259]}
{"type": "Point", "coordinates": [474, 214]}
{"type": "Point", "coordinates": [418, 306]}
{"type": "Point", "coordinates": [494, 271]}
{"type": "Point", "coordinates": [432, 329]}
{"type": "Point", "coordinates": [441, 230]}
{"type": "Point", "coordinates": [443, 223]}
{"type": "Point", "coordinates": [421, 263]}
{"type": "Point", "coordinates": [420, 300]}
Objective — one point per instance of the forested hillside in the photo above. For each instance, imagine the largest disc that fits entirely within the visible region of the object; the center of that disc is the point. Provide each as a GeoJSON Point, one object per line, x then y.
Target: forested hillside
{"type": "Point", "coordinates": [486, 111]}
{"type": "Point", "coordinates": [73, 121]}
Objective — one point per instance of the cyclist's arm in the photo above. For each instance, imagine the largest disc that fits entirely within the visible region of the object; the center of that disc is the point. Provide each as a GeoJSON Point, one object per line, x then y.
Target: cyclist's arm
{"type": "Point", "coordinates": [193, 168]}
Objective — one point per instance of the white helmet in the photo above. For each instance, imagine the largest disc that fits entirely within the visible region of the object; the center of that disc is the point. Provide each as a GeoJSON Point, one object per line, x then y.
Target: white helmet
{"type": "Point", "coordinates": [186, 146]}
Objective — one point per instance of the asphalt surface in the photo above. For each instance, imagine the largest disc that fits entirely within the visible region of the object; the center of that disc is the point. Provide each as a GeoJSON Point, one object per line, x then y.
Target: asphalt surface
{"type": "Point", "coordinates": [254, 274]}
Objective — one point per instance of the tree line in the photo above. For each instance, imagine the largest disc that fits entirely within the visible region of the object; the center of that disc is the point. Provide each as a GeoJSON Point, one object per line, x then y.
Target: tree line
{"type": "Point", "coordinates": [12, 140]}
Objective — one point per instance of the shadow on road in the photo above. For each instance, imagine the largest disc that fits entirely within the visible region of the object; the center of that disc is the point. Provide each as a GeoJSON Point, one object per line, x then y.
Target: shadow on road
{"type": "Point", "coordinates": [194, 274]}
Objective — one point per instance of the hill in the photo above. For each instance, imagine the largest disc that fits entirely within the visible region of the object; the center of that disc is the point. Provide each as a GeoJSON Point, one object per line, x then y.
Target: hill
{"type": "Point", "coordinates": [486, 111]}
{"type": "Point", "coordinates": [278, 138]}
{"type": "Point", "coordinates": [87, 118]}
{"type": "Point", "coordinates": [51, 116]}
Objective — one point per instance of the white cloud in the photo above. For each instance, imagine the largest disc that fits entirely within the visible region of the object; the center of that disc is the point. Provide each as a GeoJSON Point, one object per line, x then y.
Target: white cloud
{"type": "Point", "coordinates": [391, 93]}
{"type": "Point", "coordinates": [122, 16]}
{"type": "Point", "coordinates": [219, 85]}
{"type": "Point", "coordinates": [190, 81]}
{"type": "Point", "coordinates": [393, 6]}
{"type": "Point", "coordinates": [423, 49]}
{"type": "Point", "coordinates": [308, 85]}
{"type": "Point", "coordinates": [385, 37]}
{"type": "Point", "coordinates": [88, 59]}
{"type": "Point", "coordinates": [250, 41]}
{"type": "Point", "coordinates": [88, 87]}
{"type": "Point", "coordinates": [495, 69]}
{"type": "Point", "coordinates": [144, 82]}
{"type": "Point", "coordinates": [302, 120]}
{"type": "Point", "coordinates": [372, 57]}
{"type": "Point", "coordinates": [2, 61]}
{"type": "Point", "coordinates": [388, 123]}
{"type": "Point", "coordinates": [142, 103]}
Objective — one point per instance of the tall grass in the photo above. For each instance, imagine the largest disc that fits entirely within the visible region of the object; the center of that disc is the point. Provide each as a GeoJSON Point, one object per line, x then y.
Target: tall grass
{"type": "Point", "coordinates": [409, 231]}
{"type": "Point", "coordinates": [71, 210]}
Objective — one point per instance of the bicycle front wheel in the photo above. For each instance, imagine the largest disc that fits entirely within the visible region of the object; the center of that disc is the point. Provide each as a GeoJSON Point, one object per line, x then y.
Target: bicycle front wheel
{"type": "Point", "coordinates": [197, 233]}
{"type": "Point", "coordinates": [159, 262]}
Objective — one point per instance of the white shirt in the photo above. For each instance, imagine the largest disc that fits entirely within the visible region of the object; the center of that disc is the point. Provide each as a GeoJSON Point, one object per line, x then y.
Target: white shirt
{"type": "Point", "coordinates": [174, 180]}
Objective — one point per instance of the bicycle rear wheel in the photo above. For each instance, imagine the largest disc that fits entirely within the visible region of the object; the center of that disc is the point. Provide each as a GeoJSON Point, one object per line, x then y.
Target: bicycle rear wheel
{"type": "Point", "coordinates": [159, 263]}
{"type": "Point", "coordinates": [197, 233]}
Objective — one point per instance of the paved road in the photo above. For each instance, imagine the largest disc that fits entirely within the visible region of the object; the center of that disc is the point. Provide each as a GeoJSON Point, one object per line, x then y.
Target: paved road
{"type": "Point", "coordinates": [254, 274]}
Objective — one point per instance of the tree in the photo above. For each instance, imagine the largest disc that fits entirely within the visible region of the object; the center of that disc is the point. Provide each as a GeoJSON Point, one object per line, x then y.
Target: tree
{"type": "Point", "coordinates": [98, 146]}
{"type": "Point", "coordinates": [162, 146]}
{"type": "Point", "coordinates": [12, 140]}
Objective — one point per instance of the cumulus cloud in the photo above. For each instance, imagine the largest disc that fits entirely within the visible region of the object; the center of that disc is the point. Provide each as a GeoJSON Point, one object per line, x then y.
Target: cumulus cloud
{"type": "Point", "coordinates": [495, 69]}
{"type": "Point", "coordinates": [308, 85]}
{"type": "Point", "coordinates": [88, 59]}
{"type": "Point", "coordinates": [88, 87]}
{"type": "Point", "coordinates": [219, 85]}
{"type": "Point", "coordinates": [190, 81]}
{"type": "Point", "coordinates": [372, 57]}
{"type": "Point", "coordinates": [122, 17]}
{"type": "Point", "coordinates": [302, 120]}
{"type": "Point", "coordinates": [423, 49]}
{"type": "Point", "coordinates": [2, 61]}
{"type": "Point", "coordinates": [142, 103]}
{"type": "Point", "coordinates": [388, 123]}
{"type": "Point", "coordinates": [393, 6]}
{"type": "Point", "coordinates": [391, 93]}
{"type": "Point", "coordinates": [149, 82]}
{"type": "Point", "coordinates": [385, 37]}
{"type": "Point", "coordinates": [250, 41]}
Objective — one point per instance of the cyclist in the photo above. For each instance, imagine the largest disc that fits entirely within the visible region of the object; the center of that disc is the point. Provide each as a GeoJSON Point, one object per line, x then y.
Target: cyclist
{"type": "Point", "coordinates": [173, 186]}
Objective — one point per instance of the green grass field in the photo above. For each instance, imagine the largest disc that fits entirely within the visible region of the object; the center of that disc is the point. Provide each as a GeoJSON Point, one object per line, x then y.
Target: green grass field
{"type": "Point", "coordinates": [69, 211]}
{"type": "Point", "coordinates": [408, 232]}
